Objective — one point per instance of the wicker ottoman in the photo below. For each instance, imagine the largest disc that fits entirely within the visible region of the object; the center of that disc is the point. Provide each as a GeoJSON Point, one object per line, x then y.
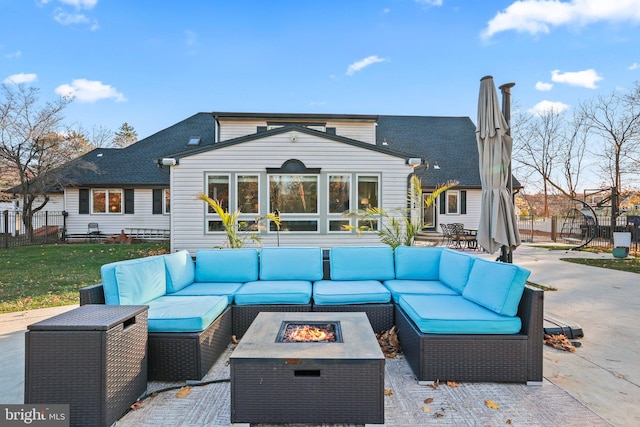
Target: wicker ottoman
{"type": "Point", "coordinates": [92, 358]}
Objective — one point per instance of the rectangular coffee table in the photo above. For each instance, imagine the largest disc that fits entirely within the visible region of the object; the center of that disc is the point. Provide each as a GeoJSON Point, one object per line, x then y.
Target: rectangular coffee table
{"type": "Point", "coordinates": [308, 382]}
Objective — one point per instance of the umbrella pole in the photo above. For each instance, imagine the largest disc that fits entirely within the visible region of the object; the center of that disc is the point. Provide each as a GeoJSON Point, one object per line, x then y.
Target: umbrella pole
{"type": "Point", "coordinates": [506, 252]}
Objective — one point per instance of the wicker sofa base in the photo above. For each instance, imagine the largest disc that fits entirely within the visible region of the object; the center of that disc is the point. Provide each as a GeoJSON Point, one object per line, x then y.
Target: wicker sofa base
{"type": "Point", "coordinates": [175, 356]}
{"type": "Point", "coordinates": [244, 315]}
{"type": "Point", "coordinates": [381, 316]}
{"type": "Point", "coordinates": [477, 358]}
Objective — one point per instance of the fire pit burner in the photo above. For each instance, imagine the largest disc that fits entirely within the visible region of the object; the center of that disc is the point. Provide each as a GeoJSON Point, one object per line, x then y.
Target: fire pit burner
{"type": "Point", "coordinates": [313, 332]}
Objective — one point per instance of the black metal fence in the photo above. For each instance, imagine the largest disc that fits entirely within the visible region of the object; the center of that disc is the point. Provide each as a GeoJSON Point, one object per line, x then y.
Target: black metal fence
{"type": "Point", "coordinates": [45, 227]}
{"type": "Point", "coordinates": [580, 230]}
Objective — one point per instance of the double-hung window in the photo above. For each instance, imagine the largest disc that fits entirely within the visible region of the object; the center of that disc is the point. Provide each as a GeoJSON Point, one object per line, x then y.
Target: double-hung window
{"type": "Point", "coordinates": [338, 202]}
{"type": "Point", "coordinates": [218, 190]}
{"type": "Point", "coordinates": [107, 201]}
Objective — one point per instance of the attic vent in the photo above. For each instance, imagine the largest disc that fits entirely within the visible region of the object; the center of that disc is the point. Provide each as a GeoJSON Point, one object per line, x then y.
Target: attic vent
{"type": "Point", "coordinates": [194, 140]}
{"type": "Point", "coordinates": [385, 142]}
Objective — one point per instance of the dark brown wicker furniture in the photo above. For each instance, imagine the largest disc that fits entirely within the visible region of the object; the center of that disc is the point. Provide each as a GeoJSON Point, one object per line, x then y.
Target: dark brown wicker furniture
{"type": "Point", "coordinates": [92, 358]}
{"type": "Point", "coordinates": [244, 315]}
{"type": "Point", "coordinates": [276, 382]}
{"type": "Point", "coordinates": [380, 315]}
{"type": "Point", "coordinates": [478, 358]}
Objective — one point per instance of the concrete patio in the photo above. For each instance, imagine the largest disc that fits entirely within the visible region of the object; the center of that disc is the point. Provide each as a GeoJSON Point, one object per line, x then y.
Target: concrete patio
{"type": "Point", "coordinates": [599, 384]}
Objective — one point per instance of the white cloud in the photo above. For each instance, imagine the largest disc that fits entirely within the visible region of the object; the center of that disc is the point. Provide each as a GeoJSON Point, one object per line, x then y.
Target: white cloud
{"type": "Point", "coordinates": [84, 90]}
{"type": "Point", "coordinates": [359, 65]}
{"type": "Point", "coordinates": [80, 4]}
{"type": "Point", "coordinates": [586, 78]}
{"type": "Point", "coordinates": [65, 18]}
{"type": "Point", "coordinates": [20, 78]}
{"type": "Point", "coordinates": [544, 86]}
{"type": "Point", "coordinates": [16, 54]}
{"type": "Point", "coordinates": [429, 2]}
{"type": "Point", "coordinates": [545, 107]}
{"type": "Point", "coordinates": [538, 16]}
{"type": "Point", "coordinates": [634, 66]}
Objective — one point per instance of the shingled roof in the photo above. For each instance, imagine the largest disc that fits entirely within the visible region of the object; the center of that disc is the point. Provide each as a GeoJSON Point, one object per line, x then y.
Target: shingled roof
{"type": "Point", "coordinates": [449, 141]}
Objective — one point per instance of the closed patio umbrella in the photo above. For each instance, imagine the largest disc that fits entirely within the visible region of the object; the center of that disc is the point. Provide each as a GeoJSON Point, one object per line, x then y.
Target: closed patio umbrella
{"type": "Point", "coordinates": [498, 226]}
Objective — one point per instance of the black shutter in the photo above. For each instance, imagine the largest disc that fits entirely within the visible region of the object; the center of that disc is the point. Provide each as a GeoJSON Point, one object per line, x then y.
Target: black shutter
{"type": "Point", "coordinates": [262, 129]}
{"type": "Point", "coordinates": [128, 201]}
{"type": "Point", "coordinates": [157, 201]}
{"type": "Point", "coordinates": [443, 202]}
{"type": "Point", "coordinates": [83, 201]}
{"type": "Point", "coordinates": [463, 201]}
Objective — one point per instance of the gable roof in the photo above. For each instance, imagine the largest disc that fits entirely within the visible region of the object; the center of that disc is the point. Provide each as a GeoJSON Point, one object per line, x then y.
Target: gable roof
{"type": "Point", "coordinates": [449, 141]}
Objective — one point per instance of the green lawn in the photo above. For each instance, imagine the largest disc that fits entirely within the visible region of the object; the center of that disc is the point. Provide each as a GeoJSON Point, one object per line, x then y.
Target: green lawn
{"type": "Point", "coordinates": [631, 265]}
{"type": "Point", "coordinates": [50, 275]}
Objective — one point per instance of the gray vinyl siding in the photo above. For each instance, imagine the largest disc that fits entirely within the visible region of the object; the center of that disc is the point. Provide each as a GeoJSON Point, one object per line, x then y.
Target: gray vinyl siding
{"type": "Point", "coordinates": [358, 130]}
{"type": "Point", "coordinates": [114, 223]}
{"type": "Point", "coordinates": [188, 180]}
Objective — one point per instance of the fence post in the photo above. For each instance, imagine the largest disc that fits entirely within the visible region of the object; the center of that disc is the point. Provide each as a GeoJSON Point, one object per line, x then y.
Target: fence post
{"type": "Point", "coordinates": [5, 214]}
{"type": "Point", "coordinates": [554, 228]}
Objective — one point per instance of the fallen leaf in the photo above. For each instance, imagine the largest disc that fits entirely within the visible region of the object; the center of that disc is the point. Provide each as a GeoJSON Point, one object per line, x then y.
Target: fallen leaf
{"type": "Point", "coordinates": [509, 422]}
{"type": "Point", "coordinates": [435, 384]}
{"type": "Point", "coordinates": [452, 384]}
{"type": "Point", "coordinates": [234, 339]}
{"type": "Point", "coordinates": [428, 400]}
{"type": "Point", "coordinates": [136, 405]}
{"type": "Point", "coordinates": [559, 341]}
{"type": "Point", "coordinates": [491, 404]}
{"type": "Point", "coordinates": [438, 415]}
{"type": "Point", "coordinates": [426, 409]}
{"type": "Point", "coordinates": [388, 392]}
{"type": "Point", "coordinates": [183, 392]}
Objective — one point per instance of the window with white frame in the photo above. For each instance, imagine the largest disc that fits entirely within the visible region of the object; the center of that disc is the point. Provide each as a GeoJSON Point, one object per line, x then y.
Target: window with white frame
{"type": "Point", "coordinates": [247, 195]}
{"type": "Point", "coordinates": [218, 190]}
{"type": "Point", "coordinates": [167, 201]}
{"type": "Point", "coordinates": [107, 201]}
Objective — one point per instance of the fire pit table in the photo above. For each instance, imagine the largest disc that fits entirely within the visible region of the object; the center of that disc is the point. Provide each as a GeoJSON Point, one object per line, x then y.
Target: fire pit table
{"type": "Point", "coordinates": [277, 379]}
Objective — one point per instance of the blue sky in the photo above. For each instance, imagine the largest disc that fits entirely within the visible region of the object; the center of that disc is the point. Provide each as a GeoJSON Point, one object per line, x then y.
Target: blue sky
{"type": "Point", "coordinates": [154, 63]}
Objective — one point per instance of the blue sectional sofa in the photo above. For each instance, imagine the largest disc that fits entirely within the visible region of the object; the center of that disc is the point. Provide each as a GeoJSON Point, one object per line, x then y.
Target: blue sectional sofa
{"type": "Point", "coordinates": [459, 317]}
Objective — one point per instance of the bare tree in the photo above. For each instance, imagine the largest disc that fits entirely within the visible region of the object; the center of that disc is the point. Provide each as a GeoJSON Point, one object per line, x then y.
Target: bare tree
{"type": "Point", "coordinates": [551, 147]}
{"type": "Point", "coordinates": [30, 145]}
{"type": "Point", "coordinates": [96, 137]}
{"type": "Point", "coordinates": [615, 121]}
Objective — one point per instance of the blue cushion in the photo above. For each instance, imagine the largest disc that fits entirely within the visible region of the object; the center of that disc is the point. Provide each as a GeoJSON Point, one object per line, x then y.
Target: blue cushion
{"type": "Point", "coordinates": [399, 287]}
{"type": "Point", "coordinates": [454, 269]}
{"type": "Point", "coordinates": [417, 263]}
{"type": "Point", "coordinates": [140, 282]}
{"type": "Point", "coordinates": [361, 263]}
{"type": "Point", "coordinates": [448, 314]}
{"type": "Point", "coordinates": [291, 264]}
{"type": "Point", "coordinates": [226, 265]}
{"type": "Point", "coordinates": [496, 286]}
{"type": "Point", "coordinates": [227, 289]}
{"type": "Point", "coordinates": [274, 292]}
{"type": "Point", "coordinates": [184, 314]}
{"type": "Point", "coordinates": [340, 292]}
{"type": "Point", "coordinates": [109, 282]}
{"type": "Point", "coordinates": [180, 270]}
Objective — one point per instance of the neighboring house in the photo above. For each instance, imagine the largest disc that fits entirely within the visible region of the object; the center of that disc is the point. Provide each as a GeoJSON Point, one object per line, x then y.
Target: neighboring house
{"type": "Point", "coordinates": [309, 167]}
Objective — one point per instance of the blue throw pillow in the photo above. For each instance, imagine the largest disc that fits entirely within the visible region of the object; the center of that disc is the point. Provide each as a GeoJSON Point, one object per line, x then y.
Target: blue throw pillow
{"type": "Point", "coordinates": [454, 269]}
{"type": "Point", "coordinates": [180, 270]}
{"type": "Point", "coordinates": [139, 283]}
{"type": "Point", "coordinates": [496, 286]}
{"type": "Point", "coordinates": [417, 263]}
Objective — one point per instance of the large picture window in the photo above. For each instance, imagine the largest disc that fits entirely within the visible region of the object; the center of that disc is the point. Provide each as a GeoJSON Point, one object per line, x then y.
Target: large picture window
{"type": "Point", "coordinates": [368, 196]}
{"type": "Point", "coordinates": [106, 201]}
{"type": "Point", "coordinates": [293, 194]}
